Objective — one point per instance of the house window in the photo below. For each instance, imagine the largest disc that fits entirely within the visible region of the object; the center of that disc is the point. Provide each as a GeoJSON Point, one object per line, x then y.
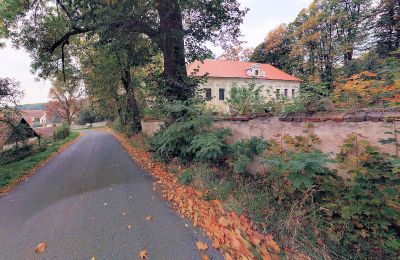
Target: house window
{"type": "Point", "coordinates": [286, 92]}
{"type": "Point", "coordinates": [208, 93]}
{"type": "Point", "coordinates": [221, 94]}
{"type": "Point", "coordinates": [256, 72]}
{"type": "Point", "coordinates": [293, 92]}
{"type": "Point", "coordinates": [277, 93]}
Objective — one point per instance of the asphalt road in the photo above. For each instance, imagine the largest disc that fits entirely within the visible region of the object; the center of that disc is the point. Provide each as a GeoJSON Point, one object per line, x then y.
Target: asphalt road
{"type": "Point", "coordinates": [82, 204]}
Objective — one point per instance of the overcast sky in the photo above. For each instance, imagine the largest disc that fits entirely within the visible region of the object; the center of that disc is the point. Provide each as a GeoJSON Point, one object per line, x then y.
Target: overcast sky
{"type": "Point", "coordinates": [263, 16]}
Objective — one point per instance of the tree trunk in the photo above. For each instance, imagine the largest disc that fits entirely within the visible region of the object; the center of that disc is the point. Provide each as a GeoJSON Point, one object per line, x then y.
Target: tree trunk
{"type": "Point", "coordinates": [173, 48]}
{"type": "Point", "coordinates": [134, 109]}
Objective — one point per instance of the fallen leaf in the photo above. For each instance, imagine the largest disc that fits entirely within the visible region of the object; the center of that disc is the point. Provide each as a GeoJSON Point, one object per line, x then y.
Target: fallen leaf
{"type": "Point", "coordinates": [123, 214]}
{"type": "Point", "coordinates": [201, 245]}
{"type": "Point", "coordinates": [105, 203]}
{"type": "Point", "coordinates": [204, 257]}
{"type": "Point", "coordinates": [40, 247]}
{"type": "Point", "coordinates": [148, 218]}
{"type": "Point", "coordinates": [186, 225]}
{"type": "Point", "coordinates": [223, 221]}
{"type": "Point", "coordinates": [93, 258]}
{"type": "Point", "coordinates": [129, 226]}
{"type": "Point", "coordinates": [143, 254]}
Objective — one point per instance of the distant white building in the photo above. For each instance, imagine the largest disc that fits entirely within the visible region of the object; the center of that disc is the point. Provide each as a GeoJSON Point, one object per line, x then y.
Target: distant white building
{"type": "Point", "coordinates": [223, 74]}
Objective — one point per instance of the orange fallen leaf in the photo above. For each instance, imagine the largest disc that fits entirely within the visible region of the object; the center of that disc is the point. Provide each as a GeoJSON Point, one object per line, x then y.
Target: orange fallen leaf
{"type": "Point", "coordinates": [148, 218]}
{"type": "Point", "coordinates": [201, 245]}
{"type": "Point", "coordinates": [40, 247]}
{"type": "Point", "coordinates": [223, 221]}
{"type": "Point", "coordinates": [204, 257]}
{"type": "Point", "coordinates": [143, 254]}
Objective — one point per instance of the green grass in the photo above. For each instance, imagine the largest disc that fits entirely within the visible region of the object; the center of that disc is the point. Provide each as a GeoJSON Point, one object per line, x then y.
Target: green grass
{"type": "Point", "coordinates": [12, 171]}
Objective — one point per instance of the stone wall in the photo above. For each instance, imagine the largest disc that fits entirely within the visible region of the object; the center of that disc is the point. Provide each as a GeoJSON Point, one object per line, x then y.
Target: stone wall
{"type": "Point", "coordinates": [331, 129]}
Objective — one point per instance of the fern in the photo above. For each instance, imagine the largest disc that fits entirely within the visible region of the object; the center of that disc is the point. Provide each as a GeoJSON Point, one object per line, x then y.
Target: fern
{"type": "Point", "coordinates": [244, 152]}
{"type": "Point", "coordinates": [188, 136]}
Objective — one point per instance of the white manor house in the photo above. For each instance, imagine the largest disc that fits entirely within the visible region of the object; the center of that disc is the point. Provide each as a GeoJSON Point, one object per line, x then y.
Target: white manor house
{"type": "Point", "coordinates": [223, 74]}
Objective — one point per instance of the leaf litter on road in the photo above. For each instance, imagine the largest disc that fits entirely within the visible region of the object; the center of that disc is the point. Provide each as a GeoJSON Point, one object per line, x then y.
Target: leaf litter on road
{"type": "Point", "coordinates": [202, 246]}
{"type": "Point", "coordinates": [40, 247]}
{"type": "Point", "coordinates": [143, 254]}
{"type": "Point", "coordinates": [233, 234]}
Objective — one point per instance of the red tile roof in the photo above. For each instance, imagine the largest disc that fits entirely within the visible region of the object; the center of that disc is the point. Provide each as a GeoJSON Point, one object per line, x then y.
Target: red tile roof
{"type": "Point", "coordinates": [45, 131]}
{"type": "Point", "coordinates": [29, 114]}
{"type": "Point", "coordinates": [236, 69]}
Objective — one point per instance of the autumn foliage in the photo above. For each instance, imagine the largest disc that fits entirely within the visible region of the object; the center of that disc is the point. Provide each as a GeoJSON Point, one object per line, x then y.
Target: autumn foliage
{"type": "Point", "coordinates": [366, 89]}
{"type": "Point", "coordinates": [234, 235]}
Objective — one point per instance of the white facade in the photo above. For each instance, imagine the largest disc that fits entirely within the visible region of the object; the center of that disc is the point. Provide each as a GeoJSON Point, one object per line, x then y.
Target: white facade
{"type": "Point", "coordinates": [270, 89]}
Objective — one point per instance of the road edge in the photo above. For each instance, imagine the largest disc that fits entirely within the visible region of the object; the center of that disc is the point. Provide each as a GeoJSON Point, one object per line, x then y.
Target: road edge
{"type": "Point", "coordinates": [234, 236]}
{"type": "Point", "coordinates": [7, 189]}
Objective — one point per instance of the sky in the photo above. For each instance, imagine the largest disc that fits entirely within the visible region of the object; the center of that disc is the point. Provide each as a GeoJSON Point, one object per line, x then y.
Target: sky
{"type": "Point", "coordinates": [263, 16]}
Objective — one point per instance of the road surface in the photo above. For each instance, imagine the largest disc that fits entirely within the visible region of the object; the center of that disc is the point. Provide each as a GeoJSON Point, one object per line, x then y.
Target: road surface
{"type": "Point", "coordinates": [91, 201]}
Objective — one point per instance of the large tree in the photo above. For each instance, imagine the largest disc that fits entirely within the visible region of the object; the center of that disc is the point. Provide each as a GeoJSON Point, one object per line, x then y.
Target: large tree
{"type": "Point", "coordinates": [46, 28]}
{"type": "Point", "coordinates": [275, 49]}
{"type": "Point", "coordinates": [387, 29]}
{"type": "Point", "coordinates": [66, 96]}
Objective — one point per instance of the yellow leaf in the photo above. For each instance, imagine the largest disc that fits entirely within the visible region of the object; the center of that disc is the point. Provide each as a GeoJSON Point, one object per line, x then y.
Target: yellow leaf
{"type": "Point", "coordinates": [201, 245]}
{"type": "Point", "coordinates": [143, 254]}
{"type": "Point", "coordinates": [41, 247]}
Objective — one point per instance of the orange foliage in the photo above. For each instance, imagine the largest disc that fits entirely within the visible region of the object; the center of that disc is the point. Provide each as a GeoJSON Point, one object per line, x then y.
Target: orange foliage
{"type": "Point", "coordinates": [234, 235]}
{"type": "Point", "coordinates": [365, 89]}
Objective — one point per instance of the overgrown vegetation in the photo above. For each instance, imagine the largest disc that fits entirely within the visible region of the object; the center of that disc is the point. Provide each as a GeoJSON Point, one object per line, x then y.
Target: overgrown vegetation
{"type": "Point", "coordinates": [299, 198]}
{"type": "Point", "coordinates": [62, 132]}
{"type": "Point", "coordinates": [247, 99]}
{"type": "Point", "coordinates": [18, 166]}
{"type": "Point", "coordinates": [189, 135]}
{"type": "Point", "coordinates": [245, 151]}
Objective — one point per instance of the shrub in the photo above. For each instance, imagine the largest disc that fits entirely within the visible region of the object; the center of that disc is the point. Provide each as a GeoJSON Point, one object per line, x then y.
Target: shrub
{"type": "Point", "coordinates": [247, 99]}
{"type": "Point", "coordinates": [116, 125]}
{"type": "Point", "coordinates": [62, 132]}
{"type": "Point", "coordinates": [244, 152]}
{"type": "Point", "coordinates": [186, 177]}
{"type": "Point", "coordinates": [311, 99]}
{"type": "Point", "coordinates": [188, 136]}
{"type": "Point", "coordinates": [367, 219]}
{"type": "Point", "coordinates": [210, 146]}
{"type": "Point", "coordinates": [87, 115]}
{"type": "Point", "coordinates": [15, 154]}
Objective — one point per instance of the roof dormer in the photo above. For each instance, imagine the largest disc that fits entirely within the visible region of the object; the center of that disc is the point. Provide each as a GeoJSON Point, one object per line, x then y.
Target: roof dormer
{"type": "Point", "coordinates": [255, 71]}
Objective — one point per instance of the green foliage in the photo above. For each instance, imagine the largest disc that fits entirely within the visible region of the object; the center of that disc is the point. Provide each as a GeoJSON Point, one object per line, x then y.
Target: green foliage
{"type": "Point", "coordinates": [312, 98]}
{"type": "Point", "coordinates": [116, 125]}
{"type": "Point", "coordinates": [210, 146]}
{"type": "Point", "coordinates": [246, 99]}
{"type": "Point", "coordinates": [301, 169]}
{"type": "Point", "coordinates": [88, 115]}
{"type": "Point", "coordinates": [62, 132]}
{"type": "Point", "coordinates": [14, 170]}
{"type": "Point", "coordinates": [244, 152]}
{"type": "Point", "coordinates": [189, 136]}
{"type": "Point", "coordinates": [370, 208]}
{"type": "Point", "coordinates": [15, 154]}
{"type": "Point", "coordinates": [186, 177]}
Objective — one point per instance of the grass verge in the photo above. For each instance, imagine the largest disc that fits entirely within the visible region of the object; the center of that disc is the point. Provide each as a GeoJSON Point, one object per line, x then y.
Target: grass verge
{"type": "Point", "coordinates": [13, 173]}
{"type": "Point", "coordinates": [231, 233]}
